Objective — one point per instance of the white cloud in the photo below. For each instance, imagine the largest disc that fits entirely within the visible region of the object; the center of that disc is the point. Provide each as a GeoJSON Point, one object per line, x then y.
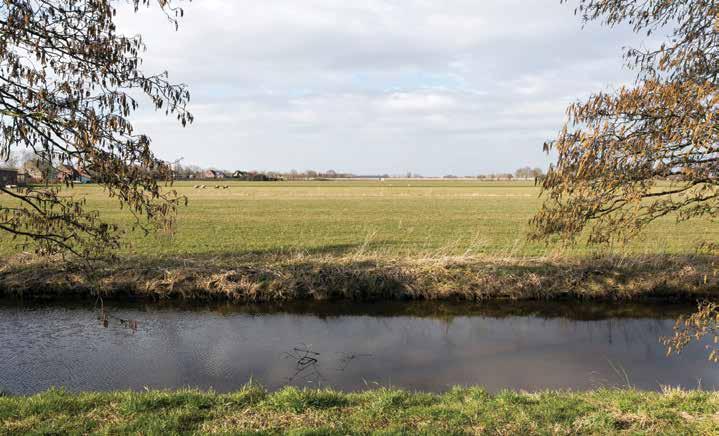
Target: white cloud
{"type": "Point", "coordinates": [418, 102]}
{"type": "Point", "coordinates": [463, 86]}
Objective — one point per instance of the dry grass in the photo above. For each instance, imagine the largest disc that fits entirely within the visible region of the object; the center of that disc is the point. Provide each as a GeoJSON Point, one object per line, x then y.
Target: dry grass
{"type": "Point", "coordinates": [367, 277]}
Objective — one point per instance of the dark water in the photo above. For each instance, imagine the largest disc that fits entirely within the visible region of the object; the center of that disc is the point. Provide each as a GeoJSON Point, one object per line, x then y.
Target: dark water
{"type": "Point", "coordinates": [425, 346]}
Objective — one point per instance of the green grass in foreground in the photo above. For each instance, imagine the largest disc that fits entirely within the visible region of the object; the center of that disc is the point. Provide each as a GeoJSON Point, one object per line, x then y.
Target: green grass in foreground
{"type": "Point", "coordinates": [392, 218]}
{"type": "Point", "coordinates": [459, 411]}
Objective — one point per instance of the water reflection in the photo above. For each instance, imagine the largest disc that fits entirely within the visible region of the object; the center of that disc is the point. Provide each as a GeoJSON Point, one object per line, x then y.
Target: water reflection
{"type": "Point", "coordinates": [427, 346]}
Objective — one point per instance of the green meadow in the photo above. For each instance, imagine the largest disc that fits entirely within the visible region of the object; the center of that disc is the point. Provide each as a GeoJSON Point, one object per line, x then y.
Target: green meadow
{"type": "Point", "coordinates": [412, 218]}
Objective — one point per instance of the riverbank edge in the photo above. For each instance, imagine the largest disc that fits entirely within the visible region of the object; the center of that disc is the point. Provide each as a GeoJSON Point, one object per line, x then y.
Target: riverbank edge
{"type": "Point", "coordinates": [322, 411]}
{"type": "Point", "coordinates": [366, 278]}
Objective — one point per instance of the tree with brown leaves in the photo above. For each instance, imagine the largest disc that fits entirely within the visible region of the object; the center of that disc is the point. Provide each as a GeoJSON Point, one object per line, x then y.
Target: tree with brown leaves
{"type": "Point", "coordinates": [647, 151]}
{"type": "Point", "coordinates": [627, 158]}
{"type": "Point", "coordinates": [68, 85]}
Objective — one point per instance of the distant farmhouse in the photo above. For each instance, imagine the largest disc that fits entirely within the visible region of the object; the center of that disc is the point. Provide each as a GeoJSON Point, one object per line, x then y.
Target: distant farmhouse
{"type": "Point", "coordinates": [8, 177]}
{"type": "Point", "coordinates": [212, 174]}
{"type": "Point", "coordinates": [69, 174]}
{"type": "Point", "coordinates": [21, 177]}
{"type": "Point", "coordinates": [29, 175]}
{"type": "Point", "coordinates": [253, 177]}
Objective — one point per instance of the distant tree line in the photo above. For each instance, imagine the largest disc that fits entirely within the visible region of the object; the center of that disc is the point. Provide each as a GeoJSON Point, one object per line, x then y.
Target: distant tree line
{"type": "Point", "coordinates": [528, 173]}
{"type": "Point", "coordinates": [37, 170]}
{"type": "Point", "coordinates": [196, 172]}
{"type": "Point", "coordinates": [186, 172]}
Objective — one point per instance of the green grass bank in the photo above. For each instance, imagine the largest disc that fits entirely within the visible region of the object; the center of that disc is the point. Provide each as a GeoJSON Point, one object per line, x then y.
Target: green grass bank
{"type": "Point", "coordinates": [379, 411]}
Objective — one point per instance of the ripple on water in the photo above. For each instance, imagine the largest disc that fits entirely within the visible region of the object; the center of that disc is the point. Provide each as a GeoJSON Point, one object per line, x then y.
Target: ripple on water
{"type": "Point", "coordinates": [347, 347]}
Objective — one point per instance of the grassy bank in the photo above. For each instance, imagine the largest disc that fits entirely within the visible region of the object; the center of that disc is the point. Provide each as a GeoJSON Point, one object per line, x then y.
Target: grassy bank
{"type": "Point", "coordinates": [367, 240]}
{"type": "Point", "coordinates": [367, 278]}
{"type": "Point", "coordinates": [459, 411]}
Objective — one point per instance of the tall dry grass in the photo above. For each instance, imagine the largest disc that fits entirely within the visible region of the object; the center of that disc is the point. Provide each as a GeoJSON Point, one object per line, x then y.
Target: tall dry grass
{"type": "Point", "coordinates": [368, 275]}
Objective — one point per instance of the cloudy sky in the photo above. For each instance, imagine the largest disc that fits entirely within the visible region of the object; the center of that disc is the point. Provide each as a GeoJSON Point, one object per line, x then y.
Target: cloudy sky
{"type": "Point", "coordinates": [375, 86]}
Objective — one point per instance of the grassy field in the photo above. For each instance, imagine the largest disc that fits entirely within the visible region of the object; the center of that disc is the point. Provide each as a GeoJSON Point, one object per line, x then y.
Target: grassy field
{"type": "Point", "coordinates": [395, 218]}
{"type": "Point", "coordinates": [381, 411]}
{"type": "Point", "coordinates": [400, 239]}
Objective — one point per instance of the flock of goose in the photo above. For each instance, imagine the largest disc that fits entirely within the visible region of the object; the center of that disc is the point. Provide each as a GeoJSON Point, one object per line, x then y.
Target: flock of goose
{"type": "Point", "coordinates": [216, 187]}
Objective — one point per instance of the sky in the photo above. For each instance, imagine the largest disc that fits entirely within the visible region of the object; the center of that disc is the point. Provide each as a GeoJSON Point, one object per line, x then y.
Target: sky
{"type": "Point", "coordinates": [461, 87]}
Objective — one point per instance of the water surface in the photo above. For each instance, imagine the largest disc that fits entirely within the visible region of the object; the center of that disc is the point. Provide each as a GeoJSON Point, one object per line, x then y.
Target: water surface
{"type": "Point", "coordinates": [349, 346]}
